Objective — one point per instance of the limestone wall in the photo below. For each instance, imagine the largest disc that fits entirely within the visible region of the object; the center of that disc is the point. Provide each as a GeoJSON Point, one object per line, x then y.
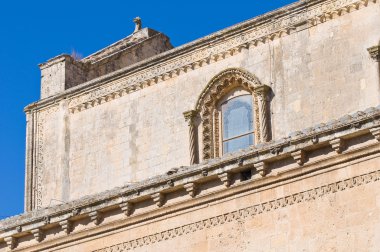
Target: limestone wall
{"type": "Point", "coordinates": [316, 73]}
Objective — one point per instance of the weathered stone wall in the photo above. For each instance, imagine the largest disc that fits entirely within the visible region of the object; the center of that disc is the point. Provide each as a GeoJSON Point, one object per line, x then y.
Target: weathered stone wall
{"type": "Point", "coordinates": [306, 191]}
{"type": "Point", "coordinates": [316, 73]}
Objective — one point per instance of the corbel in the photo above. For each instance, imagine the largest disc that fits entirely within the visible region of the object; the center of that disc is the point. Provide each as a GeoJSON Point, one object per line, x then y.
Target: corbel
{"type": "Point", "coordinates": [170, 183]}
{"type": "Point", "coordinates": [226, 178]}
{"type": "Point", "coordinates": [374, 52]}
{"type": "Point", "coordinates": [299, 156]}
{"type": "Point", "coordinates": [19, 229]}
{"type": "Point", "coordinates": [127, 208]}
{"type": "Point", "coordinates": [375, 133]}
{"type": "Point", "coordinates": [66, 226]}
{"type": "Point", "coordinates": [96, 217]}
{"type": "Point", "coordinates": [47, 220]}
{"type": "Point", "coordinates": [204, 172]}
{"type": "Point", "coordinates": [262, 168]}
{"type": "Point", "coordinates": [191, 189]}
{"type": "Point", "coordinates": [276, 150]}
{"type": "Point", "coordinates": [75, 212]}
{"type": "Point", "coordinates": [315, 139]}
{"type": "Point", "coordinates": [11, 242]}
{"type": "Point", "coordinates": [244, 46]}
{"type": "Point", "coordinates": [159, 199]}
{"type": "Point", "coordinates": [38, 234]}
{"type": "Point", "coordinates": [338, 145]}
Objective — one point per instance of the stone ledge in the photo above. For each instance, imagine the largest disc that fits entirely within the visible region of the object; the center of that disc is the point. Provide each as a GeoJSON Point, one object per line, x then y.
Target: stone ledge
{"type": "Point", "coordinates": [296, 146]}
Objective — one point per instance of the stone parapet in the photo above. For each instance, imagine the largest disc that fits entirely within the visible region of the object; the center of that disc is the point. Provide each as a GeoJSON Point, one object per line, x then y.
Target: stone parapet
{"type": "Point", "coordinates": [65, 71]}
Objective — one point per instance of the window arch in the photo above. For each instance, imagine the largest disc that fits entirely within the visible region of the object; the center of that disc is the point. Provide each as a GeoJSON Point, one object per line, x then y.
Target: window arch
{"type": "Point", "coordinates": [226, 88]}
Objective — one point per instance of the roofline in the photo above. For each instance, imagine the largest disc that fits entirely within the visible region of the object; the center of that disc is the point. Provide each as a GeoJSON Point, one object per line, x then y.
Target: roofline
{"type": "Point", "coordinates": [178, 51]}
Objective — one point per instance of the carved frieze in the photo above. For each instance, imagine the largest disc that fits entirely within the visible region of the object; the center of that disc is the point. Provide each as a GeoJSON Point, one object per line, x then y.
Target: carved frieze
{"type": "Point", "coordinates": [230, 45]}
{"type": "Point", "coordinates": [39, 166]}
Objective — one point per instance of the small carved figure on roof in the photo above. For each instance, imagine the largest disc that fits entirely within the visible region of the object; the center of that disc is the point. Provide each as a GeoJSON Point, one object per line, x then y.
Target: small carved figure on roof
{"type": "Point", "coordinates": [137, 21]}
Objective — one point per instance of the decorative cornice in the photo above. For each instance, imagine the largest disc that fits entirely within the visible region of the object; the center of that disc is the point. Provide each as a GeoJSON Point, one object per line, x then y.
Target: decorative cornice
{"type": "Point", "coordinates": [225, 43]}
{"type": "Point", "coordinates": [247, 213]}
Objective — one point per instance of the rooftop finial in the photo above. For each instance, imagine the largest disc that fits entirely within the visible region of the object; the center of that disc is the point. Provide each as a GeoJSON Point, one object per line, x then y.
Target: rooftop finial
{"type": "Point", "coordinates": [137, 21]}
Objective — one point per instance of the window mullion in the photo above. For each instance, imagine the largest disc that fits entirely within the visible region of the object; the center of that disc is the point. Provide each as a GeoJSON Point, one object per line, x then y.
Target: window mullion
{"type": "Point", "coordinates": [245, 134]}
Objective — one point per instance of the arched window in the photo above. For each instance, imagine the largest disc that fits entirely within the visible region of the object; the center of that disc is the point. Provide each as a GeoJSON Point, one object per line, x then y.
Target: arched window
{"type": "Point", "coordinates": [237, 127]}
{"type": "Point", "coordinates": [232, 113]}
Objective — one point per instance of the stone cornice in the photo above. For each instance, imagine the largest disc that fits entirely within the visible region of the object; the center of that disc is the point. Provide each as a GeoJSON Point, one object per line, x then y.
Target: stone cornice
{"type": "Point", "coordinates": [247, 212]}
{"type": "Point", "coordinates": [257, 158]}
{"type": "Point", "coordinates": [212, 48]}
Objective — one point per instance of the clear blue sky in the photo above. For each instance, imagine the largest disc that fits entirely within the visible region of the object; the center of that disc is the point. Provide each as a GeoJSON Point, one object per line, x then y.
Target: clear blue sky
{"type": "Point", "coordinates": [35, 31]}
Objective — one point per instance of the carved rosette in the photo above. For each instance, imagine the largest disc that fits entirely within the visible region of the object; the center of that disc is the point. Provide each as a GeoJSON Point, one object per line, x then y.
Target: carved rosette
{"type": "Point", "coordinates": [219, 86]}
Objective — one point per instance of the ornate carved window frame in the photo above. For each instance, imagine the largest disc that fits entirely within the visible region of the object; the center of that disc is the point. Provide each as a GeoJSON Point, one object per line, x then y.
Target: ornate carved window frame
{"type": "Point", "coordinates": [216, 89]}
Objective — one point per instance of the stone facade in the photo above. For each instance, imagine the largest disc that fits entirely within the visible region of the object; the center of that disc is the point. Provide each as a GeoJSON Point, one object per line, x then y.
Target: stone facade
{"type": "Point", "coordinates": [123, 147]}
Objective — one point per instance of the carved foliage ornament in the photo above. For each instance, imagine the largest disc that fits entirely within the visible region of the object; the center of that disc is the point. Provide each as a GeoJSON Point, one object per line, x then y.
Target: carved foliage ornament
{"type": "Point", "coordinates": [218, 87]}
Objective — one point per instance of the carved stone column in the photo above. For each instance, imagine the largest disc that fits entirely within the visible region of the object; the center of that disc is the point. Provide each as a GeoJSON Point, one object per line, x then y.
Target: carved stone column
{"type": "Point", "coordinates": [261, 94]}
{"type": "Point", "coordinates": [374, 52]}
{"type": "Point", "coordinates": [190, 118]}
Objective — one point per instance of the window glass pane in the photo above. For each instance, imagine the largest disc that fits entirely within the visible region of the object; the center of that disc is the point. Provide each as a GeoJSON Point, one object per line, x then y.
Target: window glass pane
{"type": "Point", "coordinates": [238, 143]}
{"type": "Point", "coordinates": [237, 116]}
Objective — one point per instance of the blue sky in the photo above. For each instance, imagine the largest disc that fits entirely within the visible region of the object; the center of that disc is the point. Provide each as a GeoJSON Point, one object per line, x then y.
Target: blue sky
{"type": "Point", "coordinates": [34, 31]}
